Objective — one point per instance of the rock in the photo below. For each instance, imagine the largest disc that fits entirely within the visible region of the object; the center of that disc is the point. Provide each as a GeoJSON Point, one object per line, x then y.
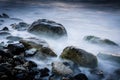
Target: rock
{"type": "Point", "coordinates": [48, 28]}
{"type": "Point", "coordinates": [20, 67]}
{"type": "Point", "coordinates": [111, 57]}
{"type": "Point", "coordinates": [98, 40]}
{"type": "Point", "coordinates": [30, 64]}
{"type": "Point", "coordinates": [61, 69]}
{"type": "Point", "coordinates": [80, 57]}
{"type": "Point", "coordinates": [80, 76]}
{"type": "Point", "coordinates": [99, 73]}
{"type": "Point", "coordinates": [4, 15]}
{"type": "Point", "coordinates": [30, 52]}
{"type": "Point", "coordinates": [14, 38]}
{"type": "Point", "coordinates": [21, 26]}
{"type": "Point", "coordinates": [5, 29]}
{"type": "Point", "coordinates": [5, 54]}
{"type": "Point", "coordinates": [41, 45]}
{"type": "Point", "coordinates": [16, 48]}
{"type": "Point", "coordinates": [44, 72]}
{"type": "Point", "coordinates": [4, 33]}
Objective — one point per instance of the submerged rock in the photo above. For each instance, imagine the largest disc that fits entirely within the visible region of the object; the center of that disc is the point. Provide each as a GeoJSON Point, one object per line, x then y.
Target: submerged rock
{"type": "Point", "coordinates": [80, 57]}
{"type": "Point", "coordinates": [111, 57]}
{"type": "Point", "coordinates": [41, 45]}
{"type": "Point", "coordinates": [4, 15]}
{"type": "Point", "coordinates": [48, 28]}
{"type": "Point", "coordinates": [21, 26]}
{"type": "Point", "coordinates": [30, 52]}
{"type": "Point", "coordinates": [61, 69]}
{"type": "Point", "coordinates": [98, 40]}
{"type": "Point", "coordinates": [14, 38]}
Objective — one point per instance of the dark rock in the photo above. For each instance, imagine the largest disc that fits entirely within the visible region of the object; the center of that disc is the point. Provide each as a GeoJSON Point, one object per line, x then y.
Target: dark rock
{"type": "Point", "coordinates": [47, 28]}
{"type": "Point", "coordinates": [4, 15]}
{"type": "Point", "coordinates": [98, 40]}
{"type": "Point", "coordinates": [41, 46]}
{"type": "Point", "coordinates": [19, 59]}
{"type": "Point", "coordinates": [14, 38]}
{"type": "Point", "coordinates": [21, 26]}
{"type": "Point", "coordinates": [110, 57]}
{"type": "Point", "coordinates": [5, 54]}
{"type": "Point", "coordinates": [4, 33]}
{"type": "Point", "coordinates": [44, 72]}
{"type": "Point", "coordinates": [20, 67]}
{"type": "Point", "coordinates": [80, 57]}
{"type": "Point", "coordinates": [80, 76]}
{"type": "Point", "coordinates": [16, 48]}
{"type": "Point", "coordinates": [30, 64]}
{"type": "Point", "coordinates": [5, 29]}
{"type": "Point", "coordinates": [30, 52]}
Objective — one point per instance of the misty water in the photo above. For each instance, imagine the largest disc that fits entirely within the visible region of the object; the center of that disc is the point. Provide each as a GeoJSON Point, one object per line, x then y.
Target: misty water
{"type": "Point", "coordinates": [79, 19]}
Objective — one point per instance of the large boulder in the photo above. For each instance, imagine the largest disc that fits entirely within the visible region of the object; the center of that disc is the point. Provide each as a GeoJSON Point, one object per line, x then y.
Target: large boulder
{"type": "Point", "coordinates": [80, 57]}
{"type": "Point", "coordinates": [109, 57]}
{"type": "Point", "coordinates": [41, 46]}
{"type": "Point", "coordinates": [47, 28]}
{"type": "Point", "coordinates": [61, 69]}
{"type": "Point", "coordinates": [98, 40]}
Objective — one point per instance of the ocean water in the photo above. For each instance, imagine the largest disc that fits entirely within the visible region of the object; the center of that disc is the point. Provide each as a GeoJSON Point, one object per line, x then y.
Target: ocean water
{"type": "Point", "coordinates": [79, 19]}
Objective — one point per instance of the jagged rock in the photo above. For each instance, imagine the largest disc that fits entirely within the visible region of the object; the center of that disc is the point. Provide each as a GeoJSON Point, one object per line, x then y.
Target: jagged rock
{"type": "Point", "coordinates": [21, 26]}
{"type": "Point", "coordinates": [41, 45]}
{"type": "Point", "coordinates": [80, 57]}
{"type": "Point", "coordinates": [61, 69]}
{"type": "Point", "coordinates": [47, 28]}
{"type": "Point", "coordinates": [16, 48]}
{"type": "Point", "coordinates": [111, 57]}
{"type": "Point", "coordinates": [98, 40]}
{"type": "Point", "coordinates": [5, 29]}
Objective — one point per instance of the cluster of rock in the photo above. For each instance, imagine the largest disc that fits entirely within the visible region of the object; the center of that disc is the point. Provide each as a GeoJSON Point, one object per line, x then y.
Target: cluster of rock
{"type": "Point", "coordinates": [14, 66]}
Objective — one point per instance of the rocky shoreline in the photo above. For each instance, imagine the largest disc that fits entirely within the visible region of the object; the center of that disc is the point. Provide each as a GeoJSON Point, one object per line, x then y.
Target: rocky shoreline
{"type": "Point", "coordinates": [15, 66]}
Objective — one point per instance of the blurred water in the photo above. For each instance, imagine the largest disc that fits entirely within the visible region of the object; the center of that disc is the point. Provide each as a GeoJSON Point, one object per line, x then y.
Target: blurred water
{"type": "Point", "coordinates": [79, 19]}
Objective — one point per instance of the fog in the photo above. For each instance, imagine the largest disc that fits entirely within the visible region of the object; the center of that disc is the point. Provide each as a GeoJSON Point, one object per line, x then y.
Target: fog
{"type": "Point", "coordinates": [79, 19]}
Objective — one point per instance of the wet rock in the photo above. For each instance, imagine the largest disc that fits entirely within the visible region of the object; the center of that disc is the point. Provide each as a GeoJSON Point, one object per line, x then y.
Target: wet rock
{"type": "Point", "coordinates": [4, 33]}
{"type": "Point", "coordinates": [4, 15]}
{"type": "Point", "coordinates": [47, 28]}
{"type": "Point", "coordinates": [21, 26]}
{"type": "Point", "coordinates": [41, 45]}
{"type": "Point", "coordinates": [98, 40]}
{"type": "Point", "coordinates": [80, 57]}
{"type": "Point", "coordinates": [14, 38]}
{"type": "Point", "coordinates": [61, 69]}
{"type": "Point", "coordinates": [5, 29]}
{"type": "Point", "coordinates": [20, 67]}
{"type": "Point", "coordinates": [110, 57]}
{"type": "Point", "coordinates": [5, 54]}
{"type": "Point", "coordinates": [80, 76]}
{"type": "Point", "coordinates": [30, 64]}
{"type": "Point", "coordinates": [30, 52]}
{"type": "Point", "coordinates": [44, 72]}
{"type": "Point", "coordinates": [19, 59]}
{"type": "Point", "coordinates": [99, 73]}
{"type": "Point", "coordinates": [16, 48]}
